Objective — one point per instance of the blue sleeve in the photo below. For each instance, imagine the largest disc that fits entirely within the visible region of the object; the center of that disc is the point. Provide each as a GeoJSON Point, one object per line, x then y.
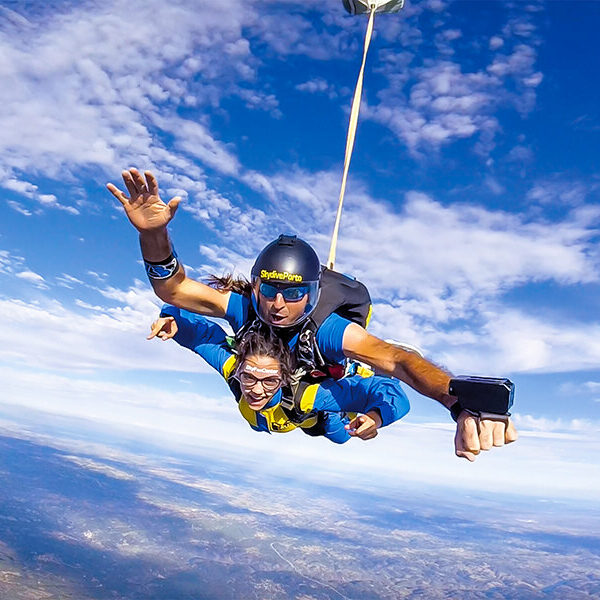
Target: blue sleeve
{"type": "Point", "coordinates": [238, 308]}
{"type": "Point", "coordinates": [334, 427]}
{"type": "Point", "coordinates": [204, 337]}
{"type": "Point", "coordinates": [362, 394]}
{"type": "Point", "coordinates": [330, 336]}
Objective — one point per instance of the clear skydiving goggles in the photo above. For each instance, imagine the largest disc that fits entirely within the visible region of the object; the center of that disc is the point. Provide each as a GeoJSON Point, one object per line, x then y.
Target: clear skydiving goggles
{"type": "Point", "coordinates": [269, 384]}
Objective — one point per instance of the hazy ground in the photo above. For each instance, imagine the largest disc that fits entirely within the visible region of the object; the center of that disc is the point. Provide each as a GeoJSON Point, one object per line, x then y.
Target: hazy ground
{"type": "Point", "coordinates": [93, 522]}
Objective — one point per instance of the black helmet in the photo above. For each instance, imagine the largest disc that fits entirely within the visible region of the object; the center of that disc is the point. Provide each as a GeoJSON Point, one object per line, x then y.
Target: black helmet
{"type": "Point", "coordinates": [288, 262]}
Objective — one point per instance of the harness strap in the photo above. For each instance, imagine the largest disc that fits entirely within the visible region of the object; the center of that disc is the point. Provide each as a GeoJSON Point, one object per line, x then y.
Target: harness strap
{"type": "Point", "coordinates": [291, 401]}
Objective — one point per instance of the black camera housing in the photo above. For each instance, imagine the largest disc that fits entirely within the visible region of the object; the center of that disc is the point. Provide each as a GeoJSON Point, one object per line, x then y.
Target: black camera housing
{"type": "Point", "coordinates": [483, 394]}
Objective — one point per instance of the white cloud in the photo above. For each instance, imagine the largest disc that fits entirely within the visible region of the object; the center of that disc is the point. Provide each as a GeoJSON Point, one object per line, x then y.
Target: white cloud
{"type": "Point", "coordinates": [541, 461]}
{"type": "Point", "coordinates": [68, 281]}
{"type": "Point", "coordinates": [107, 94]}
{"type": "Point", "coordinates": [496, 42]}
{"type": "Point", "coordinates": [460, 250]}
{"type": "Point", "coordinates": [432, 101]}
{"type": "Point", "coordinates": [34, 278]}
{"type": "Point", "coordinates": [587, 389]}
{"type": "Point", "coordinates": [564, 191]}
{"type": "Point", "coordinates": [194, 139]}
{"type": "Point", "coordinates": [318, 85]}
{"type": "Point", "coordinates": [570, 429]}
{"type": "Point", "coordinates": [521, 154]}
{"type": "Point", "coordinates": [49, 334]}
{"type": "Point", "coordinates": [288, 31]}
{"type": "Point", "coordinates": [29, 190]}
{"type": "Point", "coordinates": [98, 98]}
{"type": "Point", "coordinates": [495, 341]}
{"type": "Point", "coordinates": [19, 208]}
{"type": "Point", "coordinates": [96, 398]}
{"type": "Point", "coordinates": [444, 104]}
{"type": "Point", "coordinates": [11, 263]}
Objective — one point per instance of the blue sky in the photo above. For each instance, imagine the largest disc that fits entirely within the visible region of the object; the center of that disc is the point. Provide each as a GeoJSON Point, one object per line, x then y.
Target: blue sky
{"type": "Point", "coordinates": [472, 210]}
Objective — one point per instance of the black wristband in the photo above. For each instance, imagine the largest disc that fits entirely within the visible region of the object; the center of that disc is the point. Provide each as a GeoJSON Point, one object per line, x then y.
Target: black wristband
{"type": "Point", "coordinates": [457, 408]}
{"type": "Point", "coordinates": [163, 269]}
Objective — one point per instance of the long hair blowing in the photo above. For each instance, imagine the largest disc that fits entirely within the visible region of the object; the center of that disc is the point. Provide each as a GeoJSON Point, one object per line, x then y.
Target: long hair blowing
{"type": "Point", "coordinates": [229, 283]}
{"type": "Point", "coordinates": [263, 342]}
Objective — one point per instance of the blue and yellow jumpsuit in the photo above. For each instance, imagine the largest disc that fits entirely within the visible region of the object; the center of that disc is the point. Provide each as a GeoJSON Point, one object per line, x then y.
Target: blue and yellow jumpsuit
{"type": "Point", "coordinates": [334, 398]}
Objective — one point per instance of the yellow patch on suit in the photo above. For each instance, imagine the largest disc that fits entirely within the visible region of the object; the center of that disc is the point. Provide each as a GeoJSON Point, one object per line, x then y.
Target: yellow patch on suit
{"type": "Point", "coordinates": [270, 419]}
{"type": "Point", "coordinates": [229, 366]}
{"type": "Point", "coordinates": [307, 400]}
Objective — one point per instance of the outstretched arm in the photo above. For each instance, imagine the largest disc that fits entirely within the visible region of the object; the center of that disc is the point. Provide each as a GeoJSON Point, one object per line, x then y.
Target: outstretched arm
{"type": "Point", "coordinates": [358, 394]}
{"type": "Point", "coordinates": [472, 434]}
{"type": "Point", "coordinates": [150, 216]}
{"type": "Point", "coordinates": [422, 375]}
{"type": "Point", "coordinates": [381, 401]}
{"type": "Point", "coordinates": [204, 337]}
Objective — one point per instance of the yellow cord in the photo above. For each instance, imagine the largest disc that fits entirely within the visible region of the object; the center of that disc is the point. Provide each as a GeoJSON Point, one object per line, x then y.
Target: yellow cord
{"type": "Point", "coordinates": [350, 138]}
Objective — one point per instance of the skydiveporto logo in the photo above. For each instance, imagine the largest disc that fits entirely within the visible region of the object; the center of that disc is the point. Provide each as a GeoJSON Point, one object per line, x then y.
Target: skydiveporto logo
{"type": "Point", "coordinates": [281, 276]}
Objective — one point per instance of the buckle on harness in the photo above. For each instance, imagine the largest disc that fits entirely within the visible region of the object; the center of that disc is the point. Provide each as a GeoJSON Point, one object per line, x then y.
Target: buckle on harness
{"type": "Point", "coordinates": [287, 402]}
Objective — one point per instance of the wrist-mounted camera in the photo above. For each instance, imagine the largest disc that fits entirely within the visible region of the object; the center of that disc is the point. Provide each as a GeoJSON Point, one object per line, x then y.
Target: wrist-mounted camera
{"type": "Point", "coordinates": [483, 397]}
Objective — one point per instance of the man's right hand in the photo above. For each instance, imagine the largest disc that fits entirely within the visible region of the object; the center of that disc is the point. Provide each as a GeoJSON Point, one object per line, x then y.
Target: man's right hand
{"type": "Point", "coordinates": [144, 207]}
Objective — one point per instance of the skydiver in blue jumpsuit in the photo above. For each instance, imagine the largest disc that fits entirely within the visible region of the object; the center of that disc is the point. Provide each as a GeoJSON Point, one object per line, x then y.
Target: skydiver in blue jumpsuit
{"type": "Point", "coordinates": [380, 400]}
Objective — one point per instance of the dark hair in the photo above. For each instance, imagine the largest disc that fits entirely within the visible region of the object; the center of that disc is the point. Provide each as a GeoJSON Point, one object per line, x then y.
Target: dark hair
{"type": "Point", "coordinates": [261, 341]}
{"type": "Point", "coordinates": [229, 283]}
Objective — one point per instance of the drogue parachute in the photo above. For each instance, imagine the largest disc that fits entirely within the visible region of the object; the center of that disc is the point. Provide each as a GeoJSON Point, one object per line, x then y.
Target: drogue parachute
{"type": "Point", "coordinates": [357, 7]}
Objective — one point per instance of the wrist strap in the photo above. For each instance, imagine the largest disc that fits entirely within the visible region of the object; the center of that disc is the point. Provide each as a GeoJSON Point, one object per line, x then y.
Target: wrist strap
{"type": "Point", "coordinates": [457, 408]}
{"type": "Point", "coordinates": [163, 269]}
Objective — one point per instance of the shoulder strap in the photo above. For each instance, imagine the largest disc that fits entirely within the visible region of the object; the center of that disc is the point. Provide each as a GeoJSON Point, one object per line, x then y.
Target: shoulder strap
{"type": "Point", "coordinates": [290, 402]}
{"type": "Point", "coordinates": [343, 295]}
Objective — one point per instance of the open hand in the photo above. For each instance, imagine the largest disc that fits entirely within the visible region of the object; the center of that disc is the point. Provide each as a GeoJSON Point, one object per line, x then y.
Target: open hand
{"type": "Point", "coordinates": [144, 207]}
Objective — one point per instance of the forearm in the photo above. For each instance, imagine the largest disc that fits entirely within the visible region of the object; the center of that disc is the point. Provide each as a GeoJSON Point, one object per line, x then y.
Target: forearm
{"type": "Point", "coordinates": [179, 290]}
{"type": "Point", "coordinates": [156, 244]}
{"type": "Point", "coordinates": [384, 396]}
{"type": "Point", "coordinates": [422, 375]}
